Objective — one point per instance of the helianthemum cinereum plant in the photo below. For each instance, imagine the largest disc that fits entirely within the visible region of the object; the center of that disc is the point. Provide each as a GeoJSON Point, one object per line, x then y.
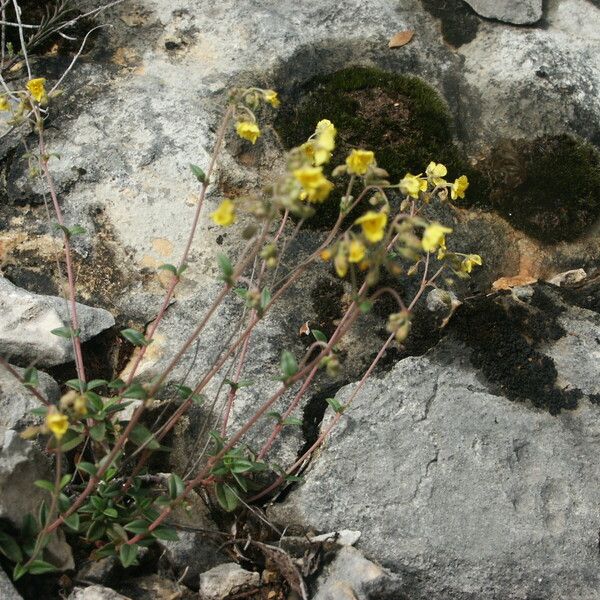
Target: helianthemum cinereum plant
{"type": "Point", "coordinates": [119, 510]}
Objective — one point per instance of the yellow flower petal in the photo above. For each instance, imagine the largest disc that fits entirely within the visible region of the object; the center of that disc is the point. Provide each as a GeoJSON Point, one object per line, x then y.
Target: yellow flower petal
{"type": "Point", "coordinates": [412, 185]}
{"type": "Point", "coordinates": [373, 225]}
{"type": "Point", "coordinates": [37, 88]}
{"type": "Point", "coordinates": [271, 97]}
{"type": "Point", "coordinates": [57, 423]}
{"type": "Point", "coordinates": [356, 252]}
{"type": "Point", "coordinates": [316, 187]}
{"type": "Point", "coordinates": [434, 237]}
{"type": "Point", "coordinates": [459, 187]}
{"type": "Point", "coordinates": [247, 130]}
{"type": "Point", "coordinates": [359, 161]}
{"type": "Point", "coordinates": [225, 213]}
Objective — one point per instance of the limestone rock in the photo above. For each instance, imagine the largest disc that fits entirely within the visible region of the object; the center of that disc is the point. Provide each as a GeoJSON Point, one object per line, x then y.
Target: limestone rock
{"type": "Point", "coordinates": [225, 579]}
{"type": "Point", "coordinates": [517, 12]}
{"type": "Point", "coordinates": [463, 491]}
{"type": "Point", "coordinates": [96, 592]}
{"type": "Point", "coordinates": [7, 589]}
{"type": "Point", "coordinates": [28, 319]}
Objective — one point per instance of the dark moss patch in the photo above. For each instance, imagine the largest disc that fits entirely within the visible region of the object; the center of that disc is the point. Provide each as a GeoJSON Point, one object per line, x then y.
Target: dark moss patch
{"type": "Point", "coordinates": [31, 280]}
{"type": "Point", "coordinates": [326, 297]}
{"type": "Point", "coordinates": [503, 335]}
{"type": "Point", "coordinates": [459, 22]}
{"type": "Point", "coordinates": [549, 187]}
{"type": "Point", "coordinates": [399, 117]}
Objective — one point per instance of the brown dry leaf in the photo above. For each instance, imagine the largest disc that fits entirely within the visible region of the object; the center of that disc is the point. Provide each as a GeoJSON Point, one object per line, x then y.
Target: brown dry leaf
{"type": "Point", "coordinates": [305, 329]}
{"type": "Point", "coordinates": [401, 38]}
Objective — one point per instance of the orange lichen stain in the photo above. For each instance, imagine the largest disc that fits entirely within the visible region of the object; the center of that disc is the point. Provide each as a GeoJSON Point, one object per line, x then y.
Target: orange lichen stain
{"type": "Point", "coordinates": [125, 57]}
{"type": "Point", "coordinates": [149, 262]}
{"type": "Point", "coordinates": [162, 246]}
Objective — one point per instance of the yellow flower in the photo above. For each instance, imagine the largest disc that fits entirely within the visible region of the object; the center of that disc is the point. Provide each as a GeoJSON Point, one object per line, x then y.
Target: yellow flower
{"type": "Point", "coordinates": [325, 254]}
{"type": "Point", "coordinates": [373, 225]}
{"type": "Point", "coordinates": [316, 187]}
{"type": "Point", "coordinates": [442, 250]}
{"type": "Point", "coordinates": [37, 88]}
{"type": "Point", "coordinates": [4, 103]}
{"type": "Point", "coordinates": [57, 423]}
{"type": "Point", "coordinates": [341, 262]}
{"type": "Point", "coordinates": [434, 237]}
{"type": "Point", "coordinates": [271, 97]}
{"type": "Point", "coordinates": [80, 406]}
{"type": "Point", "coordinates": [459, 187]}
{"type": "Point", "coordinates": [469, 262]}
{"type": "Point", "coordinates": [225, 213]}
{"type": "Point", "coordinates": [357, 251]}
{"type": "Point", "coordinates": [359, 161]}
{"type": "Point", "coordinates": [436, 172]}
{"type": "Point", "coordinates": [324, 143]}
{"type": "Point", "coordinates": [247, 130]}
{"type": "Point", "coordinates": [412, 185]}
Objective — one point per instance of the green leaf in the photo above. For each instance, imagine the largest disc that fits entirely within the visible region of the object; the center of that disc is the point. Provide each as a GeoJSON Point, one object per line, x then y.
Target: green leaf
{"type": "Point", "coordinates": [289, 366]}
{"type": "Point", "coordinates": [141, 435]}
{"type": "Point", "coordinates": [87, 467]}
{"type": "Point", "coordinates": [65, 332]}
{"type": "Point", "coordinates": [111, 512]}
{"type": "Point", "coordinates": [265, 298]}
{"type": "Point", "coordinates": [135, 337]}
{"type": "Point", "coordinates": [319, 335]}
{"type": "Point", "coordinates": [128, 554]}
{"type": "Point", "coordinates": [30, 377]}
{"type": "Point", "coordinates": [135, 391]}
{"type": "Point", "coordinates": [292, 421]}
{"type": "Point", "coordinates": [39, 567]}
{"type": "Point", "coordinates": [98, 432]}
{"type": "Point", "coordinates": [274, 415]}
{"type": "Point", "coordinates": [365, 306]}
{"type": "Point", "coordinates": [19, 571]}
{"type": "Point", "coordinates": [105, 551]}
{"type": "Point", "coordinates": [66, 479]}
{"type": "Point", "coordinates": [45, 485]}
{"type": "Point", "coordinates": [226, 497]}
{"type": "Point", "coordinates": [76, 384]}
{"type": "Point", "coordinates": [95, 401]}
{"type": "Point", "coordinates": [10, 548]}
{"type": "Point", "coordinates": [336, 405]}
{"type": "Point", "coordinates": [116, 384]}
{"type": "Point", "coordinates": [168, 267]}
{"type": "Point", "coordinates": [225, 266]}
{"type": "Point", "coordinates": [71, 440]}
{"type": "Point", "coordinates": [139, 526]}
{"type": "Point", "coordinates": [175, 486]}
{"type": "Point", "coordinates": [241, 465]}
{"type": "Point", "coordinates": [94, 383]}
{"type": "Point", "coordinates": [72, 521]}
{"type": "Point", "coordinates": [41, 411]}
{"type": "Point", "coordinates": [95, 531]}
{"type": "Point", "coordinates": [198, 173]}
{"type": "Point", "coordinates": [43, 514]}
{"type": "Point", "coordinates": [63, 503]}
{"type": "Point", "coordinates": [165, 533]}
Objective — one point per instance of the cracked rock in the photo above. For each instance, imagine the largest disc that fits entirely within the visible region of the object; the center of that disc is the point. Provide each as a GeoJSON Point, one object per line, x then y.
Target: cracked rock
{"type": "Point", "coordinates": [225, 579]}
{"type": "Point", "coordinates": [27, 320]}
{"type": "Point", "coordinates": [477, 496]}
{"type": "Point", "coordinates": [517, 12]}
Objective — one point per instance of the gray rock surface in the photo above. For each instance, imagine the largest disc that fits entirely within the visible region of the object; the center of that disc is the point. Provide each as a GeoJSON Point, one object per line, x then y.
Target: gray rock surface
{"type": "Point", "coordinates": [518, 12]}
{"type": "Point", "coordinates": [96, 592]}
{"type": "Point", "coordinates": [462, 492]}
{"type": "Point", "coordinates": [17, 402]}
{"type": "Point", "coordinates": [20, 465]}
{"type": "Point", "coordinates": [27, 320]}
{"type": "Point", "coordinates": [225, 579]}
{"type": "Point", "coordinates": [350, 576]}
{"type": "Point", "coordinates": [7, 589]}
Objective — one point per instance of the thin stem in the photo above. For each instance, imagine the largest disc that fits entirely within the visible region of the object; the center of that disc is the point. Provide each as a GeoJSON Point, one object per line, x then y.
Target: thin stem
{"type": "Point", "coordinates": [16, 375]}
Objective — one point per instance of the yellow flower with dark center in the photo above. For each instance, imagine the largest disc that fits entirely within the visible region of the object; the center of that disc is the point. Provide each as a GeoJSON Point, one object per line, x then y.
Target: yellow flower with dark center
{"type": "Point", "coordinates": [225, 213]}
{"type": "Point", "coordinates": [247, 130]}
{"type": "Point", "coordinates": [356, 252]}
{"type": "Point", "coordinates": [373, 225]}
{"type": "Point", "coordinates": [271, 97]}
{"type": "Point", "coordinates": [4, 103]}
{"type": "Point", "coordinates": [436, 172]}
{"type": "Point", "coordinates": [359, 161]}
{"type": "Point", "coordinates": [315, 186]}
{"type": "Point", "coordinates": [459, 187]}
{"type": "Point", "coordinates": [37, 88]}
{"type": "Point", "coordinates": [57, 423]}
{"type": "Point", "coordinates": [434, 237]}
{"type": "Point", "coordinates": [412, 185]}
{"type": "Point", "coordinates": [469, 262]}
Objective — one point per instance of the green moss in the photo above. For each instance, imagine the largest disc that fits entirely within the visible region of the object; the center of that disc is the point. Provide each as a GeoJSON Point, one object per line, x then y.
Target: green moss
{"type": "Point", "coordinates": [399, 117]}
{"type": "Point", "coordinates": [548, 187]}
